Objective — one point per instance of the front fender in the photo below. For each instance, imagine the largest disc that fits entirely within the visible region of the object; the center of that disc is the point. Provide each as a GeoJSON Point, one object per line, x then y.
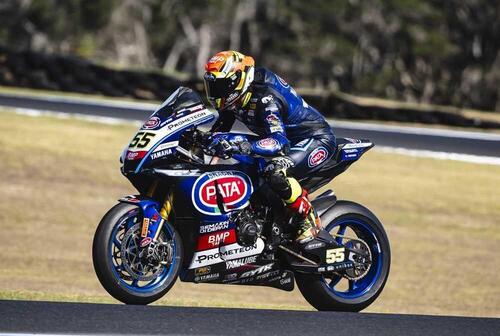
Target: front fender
{"type": "Point", "coordinates": [152, 219]}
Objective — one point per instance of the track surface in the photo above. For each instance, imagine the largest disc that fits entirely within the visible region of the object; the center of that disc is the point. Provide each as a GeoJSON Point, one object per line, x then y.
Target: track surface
{"type": "Point", "coordinates": [84, 318]}
{"type": "Point", "coordinates": [472, 143]}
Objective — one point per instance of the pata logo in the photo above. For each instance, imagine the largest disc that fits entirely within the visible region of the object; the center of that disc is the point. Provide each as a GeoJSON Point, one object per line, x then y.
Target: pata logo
{"type": "Point", "coordinates": [232, 188]}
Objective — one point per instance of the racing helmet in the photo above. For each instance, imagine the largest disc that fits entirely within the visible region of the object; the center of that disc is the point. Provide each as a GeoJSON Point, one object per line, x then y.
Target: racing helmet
{"type": "Point", "coordinates": [227, 78]}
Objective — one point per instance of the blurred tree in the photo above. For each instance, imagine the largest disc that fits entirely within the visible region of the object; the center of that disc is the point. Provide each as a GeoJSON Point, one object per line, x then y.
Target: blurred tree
{"type": "Point", "coordinates": [445, 52]}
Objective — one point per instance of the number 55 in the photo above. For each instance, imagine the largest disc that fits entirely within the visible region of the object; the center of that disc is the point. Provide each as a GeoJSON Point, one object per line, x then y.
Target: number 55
{"type": "Point", "coordinates": [335, 255]}
{"type": "Point", "coordinates": [141, 140]}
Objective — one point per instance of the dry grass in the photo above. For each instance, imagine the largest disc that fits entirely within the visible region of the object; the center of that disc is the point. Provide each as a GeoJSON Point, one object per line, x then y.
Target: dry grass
{"type": "Point", "coordinates": [59, 176]}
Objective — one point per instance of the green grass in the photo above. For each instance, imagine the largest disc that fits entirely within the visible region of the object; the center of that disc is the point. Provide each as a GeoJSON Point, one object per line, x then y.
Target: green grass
{"type": "Point", "coordinates": [59, 176]}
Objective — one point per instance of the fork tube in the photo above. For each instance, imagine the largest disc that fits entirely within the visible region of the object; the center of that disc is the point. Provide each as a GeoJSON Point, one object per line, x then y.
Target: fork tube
{"type": "Point", "coordinates": [164, 212]}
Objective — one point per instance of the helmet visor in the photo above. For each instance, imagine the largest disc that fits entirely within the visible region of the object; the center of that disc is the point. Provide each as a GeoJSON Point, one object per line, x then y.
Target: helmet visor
{"type": "Point", "coordinates": [221, 87]}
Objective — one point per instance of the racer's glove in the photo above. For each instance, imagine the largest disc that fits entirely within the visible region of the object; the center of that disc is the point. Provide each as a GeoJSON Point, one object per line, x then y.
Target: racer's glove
{"type": "Point", "coordinates": [225, 145]}
{"type": "Point", "coordinates": [220, 146]}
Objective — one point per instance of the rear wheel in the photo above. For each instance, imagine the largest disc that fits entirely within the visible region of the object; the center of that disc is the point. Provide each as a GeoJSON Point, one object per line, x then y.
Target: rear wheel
{"type": "Point", "coordinates": [130, 274]}
{"type": "Point", "coordinates": [351, 223]}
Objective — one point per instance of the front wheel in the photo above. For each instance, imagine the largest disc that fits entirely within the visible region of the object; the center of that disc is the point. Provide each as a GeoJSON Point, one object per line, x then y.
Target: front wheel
{"type": "Point", "coordinates": [350, 222]}
{"type": "Point", "coordinates": [130, 274]}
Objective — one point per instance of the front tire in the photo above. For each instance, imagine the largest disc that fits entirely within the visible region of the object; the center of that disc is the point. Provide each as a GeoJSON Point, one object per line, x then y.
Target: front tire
{"type": "Point", "coordinates": [114, 270]}
{"type": "Point", "coordinates": [326, 292]}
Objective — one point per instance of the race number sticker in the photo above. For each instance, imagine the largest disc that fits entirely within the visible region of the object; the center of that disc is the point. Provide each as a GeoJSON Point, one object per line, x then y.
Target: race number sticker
{"type": "Point", "coordinates": [335, 255]}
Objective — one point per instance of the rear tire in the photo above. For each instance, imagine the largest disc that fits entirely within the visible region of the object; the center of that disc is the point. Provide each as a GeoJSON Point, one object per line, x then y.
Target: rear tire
{"type": "Point", "coordinates": [322, 294]}
{"type": "Point", "coordinates": [112, 276]}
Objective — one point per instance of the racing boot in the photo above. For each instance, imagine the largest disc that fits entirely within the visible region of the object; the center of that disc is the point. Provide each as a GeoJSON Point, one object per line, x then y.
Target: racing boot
{"type": "Point", "coordinates": [304, 218]}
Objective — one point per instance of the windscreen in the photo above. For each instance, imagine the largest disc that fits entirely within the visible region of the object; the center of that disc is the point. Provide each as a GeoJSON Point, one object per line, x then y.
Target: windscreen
{"type": "Point", "coordinates": [181, 99]}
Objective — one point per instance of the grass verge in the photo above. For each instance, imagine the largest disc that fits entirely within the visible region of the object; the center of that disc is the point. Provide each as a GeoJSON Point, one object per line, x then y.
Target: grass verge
{"type": "Point", "coordinates": [59, 176]}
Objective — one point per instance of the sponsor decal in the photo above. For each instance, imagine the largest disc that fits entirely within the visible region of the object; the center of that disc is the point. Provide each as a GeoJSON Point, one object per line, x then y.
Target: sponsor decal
{"type": "Point", "coordinates": [202, 270]}
{"type": "Point", "coordinates": [216, 58]}
{"type": "Point", "coordinates": [152, 123]}
{"type": "Point", "coordinates": [135, 155]}
{"type": "Point", "coordinates": [314, 245]}
{"type": "Point", "coordinates": [146, 241]}
{"type": "Point", "coordinates": [224, 253]}
{"type": "Point", "coordinates": [335, 255]}
{"type": "Point", "coordinates": [273, 120]}
{"type": "Point", "coordinates": [232, 96]}
{"type": "Point", "coordinates": [214, 227]}
{"type": "Point", "coordinates": [207, 277]}
{"type": "Point", "coordinates": [317, 156]}
{"type": "Point", "coordinates": [230, 277]}
{"type": "Point", "coordinates": [190, 118]}
{"type": "Point", "coordinates": [257, 271]}
{"type": "Point", "coordinates": [267, 275]}
{"type": "Point", "coordinates": [166, 145]}
{"type": "Point", "coordinates": [336, 267]}
{"type": "Point", "coordinates": [267, 99]}
{"type": "Point", "coordinates": [268, 143]}
{"type": "Point", "coordinates": [285, 281]}
{"type": "Point", "coordinates": [170, 126]}
{"type": "Point", "coordinates": [240, 262]}
{"type": "Point", "coordinates": [145, 227]}
{"type": "Point", "coordinates": [215, 239]}
{"type": "Point", "coordinates": [357, 145]}
{"type": "Point", "coordinates": [234, 188]}
{"type": "Point", "coordinates": [131, 199]}
{"type": "Point", "coordinates": [282, 81]}
{"type": "Point", "coordinates": [155, 217]}
{"type": "Point", "coordinates": [275, 129]}
{"type": "Point", "coordinates": [161, 154]}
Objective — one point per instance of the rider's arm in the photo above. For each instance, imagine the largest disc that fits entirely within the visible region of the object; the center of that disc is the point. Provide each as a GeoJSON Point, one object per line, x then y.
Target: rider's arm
{"type": "Point", "coordinates": [276, 141]}
{"type": "Point", "coordinates": [224, 123]}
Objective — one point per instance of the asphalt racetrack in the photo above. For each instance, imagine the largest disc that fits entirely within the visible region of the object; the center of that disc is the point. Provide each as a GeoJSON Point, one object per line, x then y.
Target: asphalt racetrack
{"type": "Point", "coordinates": [437, 140]}
{"type": "Point", "coordinates": [29, 317]}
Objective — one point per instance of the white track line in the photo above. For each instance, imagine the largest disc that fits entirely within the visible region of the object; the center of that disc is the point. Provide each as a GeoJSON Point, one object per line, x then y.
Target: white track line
{"type": "Point", "coordinates": [477, 159]}
{"type": "Point", "coordinates": [416, 130]}
{"type": "Point", "coordinates": [490, 160]}
{"type": "Point", "coordinates": [64, 115]}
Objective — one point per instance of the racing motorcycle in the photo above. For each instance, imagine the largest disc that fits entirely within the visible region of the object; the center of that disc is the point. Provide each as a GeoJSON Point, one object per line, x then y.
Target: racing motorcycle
{"type": "Point", "coordinates": [207, 219]}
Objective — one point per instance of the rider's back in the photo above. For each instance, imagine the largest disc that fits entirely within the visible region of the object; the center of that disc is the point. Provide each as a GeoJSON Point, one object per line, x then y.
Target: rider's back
{"type": "Point", "coordinates": [301, 120]}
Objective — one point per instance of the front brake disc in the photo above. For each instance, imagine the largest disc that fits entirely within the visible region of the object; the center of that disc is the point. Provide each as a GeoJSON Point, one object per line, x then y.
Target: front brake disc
{"type": "Point", "coordinates": [133, 263]}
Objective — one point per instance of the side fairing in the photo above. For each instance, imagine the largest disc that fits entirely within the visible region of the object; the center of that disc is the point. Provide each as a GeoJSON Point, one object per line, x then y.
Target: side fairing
{"type": "Point", "coordinates": [159, 137]}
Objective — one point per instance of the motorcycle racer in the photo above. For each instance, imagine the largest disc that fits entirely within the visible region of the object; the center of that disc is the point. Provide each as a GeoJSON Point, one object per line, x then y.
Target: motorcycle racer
{"type": "Point", "coordinates": [294, 137]}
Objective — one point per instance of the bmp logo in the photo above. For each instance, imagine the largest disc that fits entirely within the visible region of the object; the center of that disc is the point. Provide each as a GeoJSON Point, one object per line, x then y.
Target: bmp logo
{"type": "Point", "coordinates": [216, 239]}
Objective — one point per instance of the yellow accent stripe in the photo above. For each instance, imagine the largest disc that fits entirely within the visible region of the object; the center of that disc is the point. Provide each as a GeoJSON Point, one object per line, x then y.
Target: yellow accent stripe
{"type": "Point", "coordinates": [296, 190]}
{"type": "Point", "coordinates": [246, 99]}
{"type": "Point", "coordinates": [242, 81]}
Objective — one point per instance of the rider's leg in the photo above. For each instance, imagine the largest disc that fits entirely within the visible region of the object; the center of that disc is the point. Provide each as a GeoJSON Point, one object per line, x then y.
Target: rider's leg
{"type": "Point", "coordinates": [294, 196]}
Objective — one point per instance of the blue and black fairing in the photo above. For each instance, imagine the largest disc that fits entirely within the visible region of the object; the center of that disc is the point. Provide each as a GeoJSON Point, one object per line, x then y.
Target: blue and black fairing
{"type": "Point", "coordinates": [348, 151]}
{"type": "Point", "coordinates": [174, 117]}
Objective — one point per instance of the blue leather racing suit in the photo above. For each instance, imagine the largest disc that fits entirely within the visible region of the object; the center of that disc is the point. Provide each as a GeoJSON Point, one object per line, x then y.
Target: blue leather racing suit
{"type": "Point", "coordinates": [287, 126]}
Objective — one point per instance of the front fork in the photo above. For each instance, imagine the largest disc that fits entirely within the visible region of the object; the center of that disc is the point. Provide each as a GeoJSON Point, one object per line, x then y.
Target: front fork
{"type": "Point", "coordinates": [153, 220]}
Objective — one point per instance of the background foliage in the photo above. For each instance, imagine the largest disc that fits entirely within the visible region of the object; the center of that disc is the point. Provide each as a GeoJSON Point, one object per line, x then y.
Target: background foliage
{"type": "Point", "coordinates": [443, 52]}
